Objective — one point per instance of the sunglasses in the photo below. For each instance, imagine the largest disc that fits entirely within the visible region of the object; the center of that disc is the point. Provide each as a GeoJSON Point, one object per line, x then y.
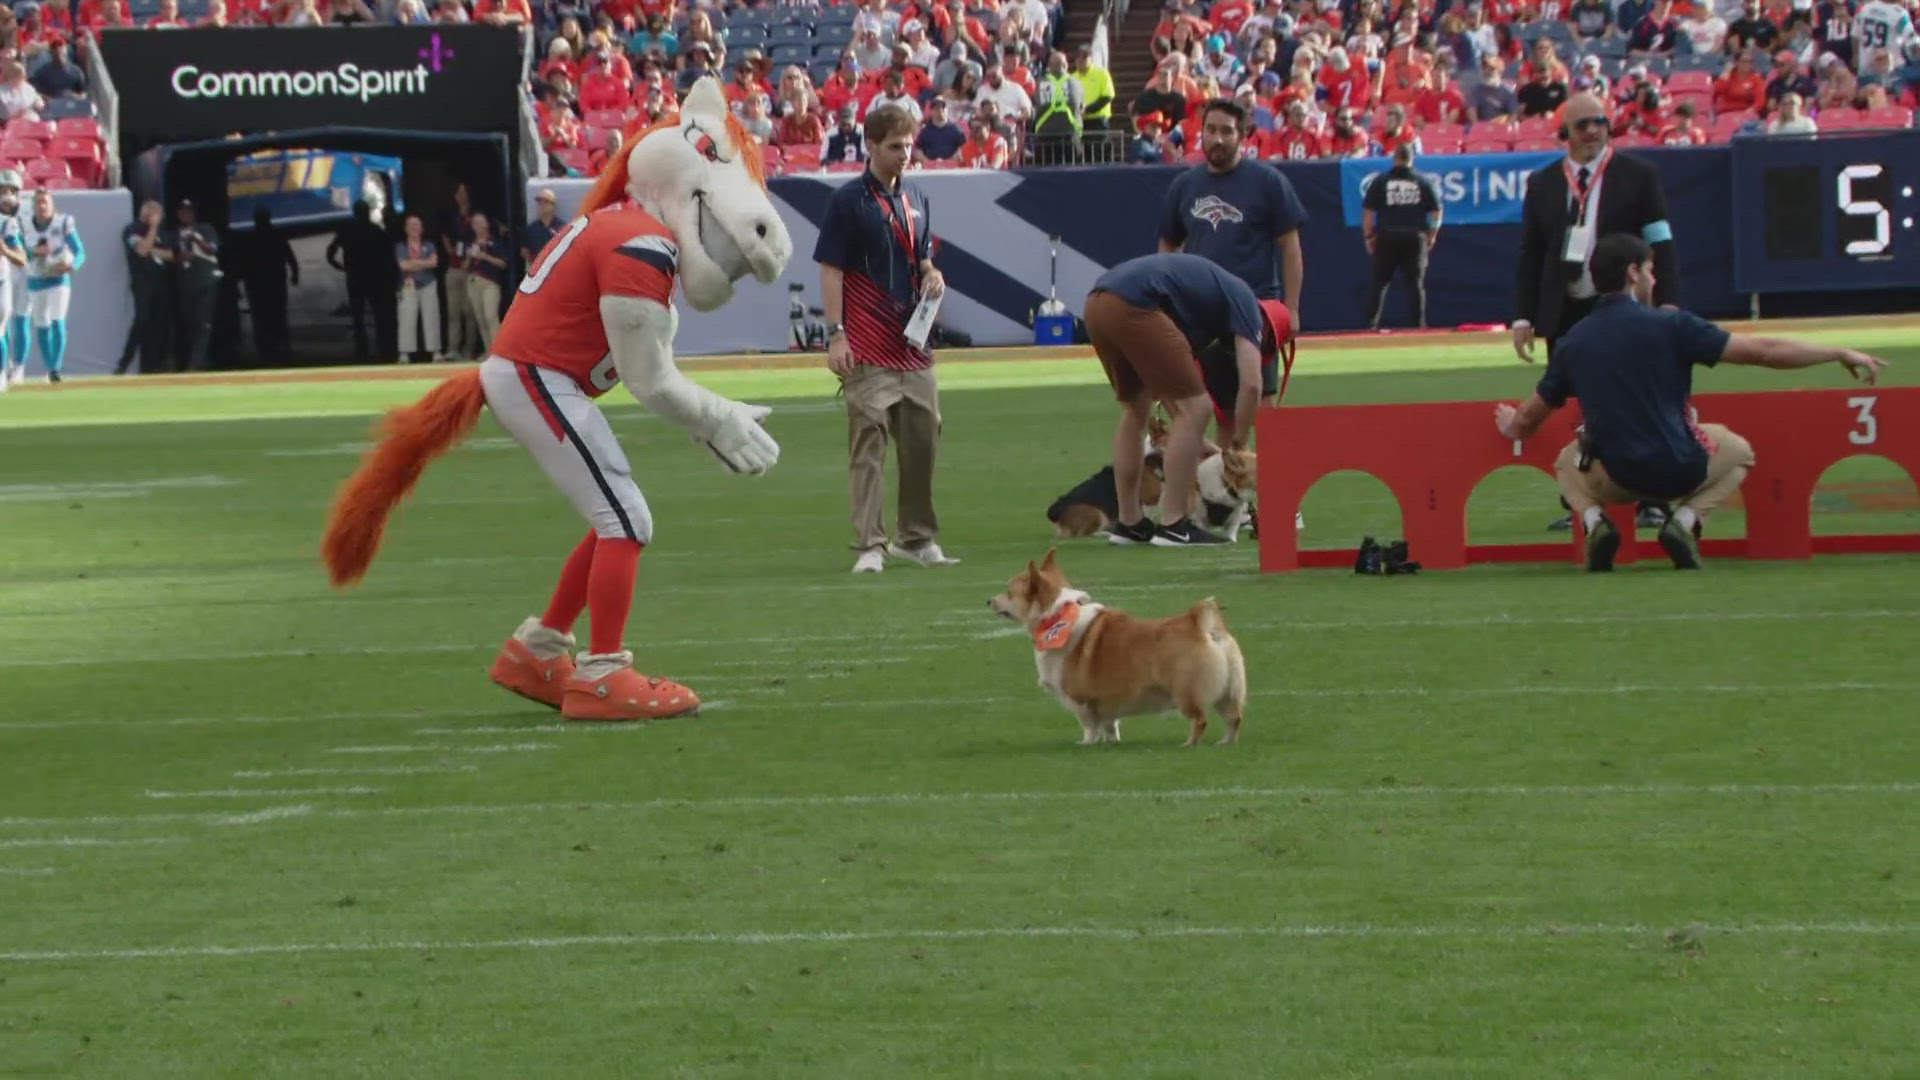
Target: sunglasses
{"type": "Point", "coordinates": [1589, 123]}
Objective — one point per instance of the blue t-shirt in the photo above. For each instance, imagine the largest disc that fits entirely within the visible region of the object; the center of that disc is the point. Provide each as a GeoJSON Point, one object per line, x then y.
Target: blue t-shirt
{"type": "Point", "coordinates": [1233, 218]}
{"type": "Point", "coordinates": [1631, 366]}
{"type": "Point", "coordinates": [940, 141]}
{"type": "Point", "coordinates": [1208, 304]}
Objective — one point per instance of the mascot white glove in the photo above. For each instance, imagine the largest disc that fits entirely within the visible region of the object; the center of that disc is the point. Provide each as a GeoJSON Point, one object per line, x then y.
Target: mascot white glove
{"type": "Point", "coordinates": [739, 441]}
{"type": "Point", "coordinates": [640, 333]}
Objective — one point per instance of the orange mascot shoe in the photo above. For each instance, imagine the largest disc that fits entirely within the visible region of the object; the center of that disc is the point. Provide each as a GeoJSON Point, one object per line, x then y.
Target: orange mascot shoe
{"type": "Point", "coordinates": [535, 663]}
{"type": "Point", "coordinates": [605, 687]}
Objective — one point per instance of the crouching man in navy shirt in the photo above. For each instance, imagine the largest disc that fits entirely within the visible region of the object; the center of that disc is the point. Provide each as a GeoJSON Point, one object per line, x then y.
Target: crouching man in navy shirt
{"type": "Point", "coordinates": [1631, 366]}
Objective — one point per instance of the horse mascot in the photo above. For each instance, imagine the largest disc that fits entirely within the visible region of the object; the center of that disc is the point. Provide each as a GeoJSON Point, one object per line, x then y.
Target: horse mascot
{"type": "Point", "coordinates": [684, 200]}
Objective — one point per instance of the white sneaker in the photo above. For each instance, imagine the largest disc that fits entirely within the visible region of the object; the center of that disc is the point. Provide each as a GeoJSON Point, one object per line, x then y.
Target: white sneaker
{"type": "Point", "coordinates": [19, 374]}
{"type": "Point", "coordinates": [871, 561]}
{"type": "Point", "coordinates": [1299, 520]}
{"type": "Point", "coordinates": [926, 554]}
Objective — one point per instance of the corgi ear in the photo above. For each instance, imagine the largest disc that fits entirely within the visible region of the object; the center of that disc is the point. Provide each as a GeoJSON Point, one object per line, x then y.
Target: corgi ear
{"type": "Point", "coordinates": [1048, 563]}
{"type": "Point", "coordinates": [1032, 570]}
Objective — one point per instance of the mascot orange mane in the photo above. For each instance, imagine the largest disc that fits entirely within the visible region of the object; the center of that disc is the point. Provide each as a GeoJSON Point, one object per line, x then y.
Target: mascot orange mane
{"type": "Point", "coordinates": [683, 203]}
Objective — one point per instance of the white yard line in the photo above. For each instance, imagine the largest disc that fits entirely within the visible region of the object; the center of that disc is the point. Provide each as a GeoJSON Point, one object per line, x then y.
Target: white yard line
{"type": "Point", "coordinates": [198, 721]}
{"type": "Point", "coordinates": [376, 770]}
{"type": "Point", "coordinates": [26, 871]}
{"type": "Point", "coordinates": [261, 817]}
{"type": "Point", "coordinates": [89, 841]}
{"type": "Point", "coordinates": [1362, 931]}
{"type": "Point", "coordinates": [444, 748]}
{"type": "Point", "coordinates": [263, 793]}
{"type": "Point", "coordinates": [952, 798]}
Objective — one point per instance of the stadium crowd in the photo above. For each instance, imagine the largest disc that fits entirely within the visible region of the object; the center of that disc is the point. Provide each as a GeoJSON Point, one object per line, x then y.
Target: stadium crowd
{"type": "Point", "coordinates": [993, 88]}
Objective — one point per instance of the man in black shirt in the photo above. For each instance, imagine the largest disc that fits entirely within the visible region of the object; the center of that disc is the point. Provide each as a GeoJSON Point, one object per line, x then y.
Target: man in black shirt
{"type": "Point", "coordinates": [1751, 29]}
{"type": "Point", "coordinates": [1542, 94]}
{"type": "Point", "coordinates": [266, 263]}
{"type": "Point", "coordinates": [59, 76]}
{"type": "Point", "coordinates": [196, 258]}
{"type": "Point", "coordinates": [149, 246]}
{"type": "Point", "coordinates": [1400, 219]}
{"type": "Point", "coordinates": [1631, 366]}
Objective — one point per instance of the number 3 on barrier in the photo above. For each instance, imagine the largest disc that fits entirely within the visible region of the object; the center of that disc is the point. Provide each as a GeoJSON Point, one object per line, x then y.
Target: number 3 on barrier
{"type": "Point", "coordinates": [1868, 430]}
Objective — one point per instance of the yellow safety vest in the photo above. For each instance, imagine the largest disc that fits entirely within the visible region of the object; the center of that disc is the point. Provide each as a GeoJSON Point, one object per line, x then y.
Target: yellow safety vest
{"type": "Point", "coordinates": [1095, 83]}
{"type": "Point", "coordinates": [1058, 101]}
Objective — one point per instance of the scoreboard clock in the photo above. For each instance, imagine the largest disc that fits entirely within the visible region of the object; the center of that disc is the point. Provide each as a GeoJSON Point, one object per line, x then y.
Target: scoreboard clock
{"type": "Point", "coordinates": [1834, 212]}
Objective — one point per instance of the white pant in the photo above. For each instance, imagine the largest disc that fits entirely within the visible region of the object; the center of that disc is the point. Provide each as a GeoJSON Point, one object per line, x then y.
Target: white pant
{"type": "Point", "coordinates": [48, 306]}
{"type": "Point", "coordinates": [419, 309]}
{"type": "Point", "coordinates": [563, 429]}
{"type": "Point", "coordinates": [17, 293]}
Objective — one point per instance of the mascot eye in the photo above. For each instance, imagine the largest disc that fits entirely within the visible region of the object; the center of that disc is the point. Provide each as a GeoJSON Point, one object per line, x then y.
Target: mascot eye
{"type": "Point", "coordinates": [707, 147]}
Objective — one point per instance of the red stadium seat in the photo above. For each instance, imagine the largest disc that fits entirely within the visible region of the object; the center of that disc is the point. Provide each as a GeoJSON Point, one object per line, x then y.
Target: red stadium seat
{"type": "Point", "coordinates": [576, 159]}
{"type": "Point", "coordinates": [1480, 141]}
{"type": "Point", "coordinates": [1528, 145]}
{"type": "Point", "coordinates": [801, 158]}
{"type": "Point", "coordinates": [1536, 127]}
{"type": "Point", "coordinates": [47, 169]}
{"type": "Point", "coordinates": [1829, 120]}
{"type": "Point", "coordinates": [74, 148]}
{"type": "Point", "coordinates": [65, 183]}
{"type": "Point", "coordinates": [78, 127]}
{"type": "Point", "coordinates": [1890, 116]}
{"type": "Point", "coordinates": [1431, 132]}
{"type": "Point", "coordinates": [1689, 82]}
{"type": "Point", "coordinates": [1440, 144]}
{"type": "Point", "coordinates": [605, 118]}
{"type": "Point", "coordinates": [30, 129]}
{"type": "Point", "coordinates": [1702, 102]}
{"type": "Point", "coordinates": [846, 166]}
{"type": "Point", "coordinates": [21, 149]}
{"type": "Point", "coordinates": [773, 159]}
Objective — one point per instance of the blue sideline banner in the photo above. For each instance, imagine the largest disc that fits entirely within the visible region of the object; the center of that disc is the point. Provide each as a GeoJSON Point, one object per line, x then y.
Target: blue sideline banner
{"type": "Point", "coordinates": [1475, 189]}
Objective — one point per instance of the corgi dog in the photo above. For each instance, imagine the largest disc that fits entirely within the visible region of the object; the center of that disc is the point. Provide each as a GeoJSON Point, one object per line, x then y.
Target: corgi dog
{"type": "Point", "coordinates": [1103, 664]}
{"type": "Point", "coordinates": [1225, 491]}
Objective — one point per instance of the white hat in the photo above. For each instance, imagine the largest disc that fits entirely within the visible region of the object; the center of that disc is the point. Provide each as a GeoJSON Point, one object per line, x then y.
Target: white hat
{"type": "Point", "coordinates": [10, 178]}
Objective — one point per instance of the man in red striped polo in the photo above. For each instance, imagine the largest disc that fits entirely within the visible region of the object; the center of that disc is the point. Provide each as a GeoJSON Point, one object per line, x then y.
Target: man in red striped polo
{"type": "Point", "coordinates": [876, 264]}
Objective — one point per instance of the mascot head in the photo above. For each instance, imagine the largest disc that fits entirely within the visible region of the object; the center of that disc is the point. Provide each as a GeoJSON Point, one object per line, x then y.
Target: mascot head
{"type": "Point", "coordinates": [701, 174]}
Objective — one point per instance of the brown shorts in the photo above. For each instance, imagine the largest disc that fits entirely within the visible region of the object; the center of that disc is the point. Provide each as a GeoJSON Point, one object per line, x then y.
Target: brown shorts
{"type": "Point", "coordinates": [1141, 350]}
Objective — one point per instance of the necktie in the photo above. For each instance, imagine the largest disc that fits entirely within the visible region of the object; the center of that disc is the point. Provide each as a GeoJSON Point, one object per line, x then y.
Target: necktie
{"type": "Point", "coordinates": [1581, 180]}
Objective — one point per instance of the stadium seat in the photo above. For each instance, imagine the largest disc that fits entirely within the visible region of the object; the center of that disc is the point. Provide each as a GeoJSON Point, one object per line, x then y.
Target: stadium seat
{"type": "Point", "coordinates": [47, 169]}
{"type": "Point", "coordinates": [62, 108]}
{"type": "Point", "coordinates": [1480, 141]}
{"type": "Point", "coordinates": [790, 34]}
{"type": "Point", "coordinates": [828, 51]}
{"type": "Point", "coordinates": [1455, 132]}
{"type": "Point", "coordinates": [78, 126]}
{"type": "Point", "coordinates": [1534, 129]}
{"type": "Point", "coordinates": [30, 129]}
{"type": "Point", "coordinates": [838, 34]}
{"type": "Point", "coordinates": [846, 166]}
{"type": "Point", "coordinates": [21, 149]}
{"type": "Point", "coordinates": [575, 159]}
{"type": "Point", "coordinates": [1530, 145]}
{"type": "Point", "coordinates": [1702, 102]}
{"type": "Point", "coordinates": [801, 54]}
{"type": "Point", "coordinates": [64, 183]}
{"type": "Point", "coordinates": [605, 118]}
{"type": "Point", "coordinates": [801, 158]}
{"type": "Point", "coordinates": [772, 158]}
{"type": "Point", "coordinates": [1890, 116]}
{"type": "Point", "coordinates": [1440, 144]}
{"type": "Point", "coordinates": [1690, 82]}
{"type": "Point", "coordinates": [1829, 120]}
{"type": "Point", "coordinates": [742, 38]}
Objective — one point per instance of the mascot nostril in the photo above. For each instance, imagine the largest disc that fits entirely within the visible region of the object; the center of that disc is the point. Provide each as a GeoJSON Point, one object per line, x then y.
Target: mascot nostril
{"type": "Point", "coordinates": [760, 230]}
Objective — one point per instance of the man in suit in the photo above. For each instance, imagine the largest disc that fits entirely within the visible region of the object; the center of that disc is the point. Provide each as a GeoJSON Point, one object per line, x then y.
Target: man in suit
{"type": "Point", "coordinates": [1593, 192]}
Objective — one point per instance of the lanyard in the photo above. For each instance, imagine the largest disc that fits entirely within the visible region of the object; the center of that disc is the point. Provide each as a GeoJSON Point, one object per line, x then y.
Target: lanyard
{"type": "Point", "coordinates": [1591, 195]}
{"type": "Point", "coordinates": [902, 233]}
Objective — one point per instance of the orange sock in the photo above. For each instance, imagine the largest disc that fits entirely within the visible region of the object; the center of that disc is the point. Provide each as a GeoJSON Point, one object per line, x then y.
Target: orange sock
{"type": "Point", "coordinates": [570, 596]}
{"type": "Point", "coordinates": [610, 591]}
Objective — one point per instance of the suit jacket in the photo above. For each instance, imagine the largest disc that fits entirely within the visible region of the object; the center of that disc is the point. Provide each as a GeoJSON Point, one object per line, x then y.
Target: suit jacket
{"type": "Point", "coordinates": [1630, 201]}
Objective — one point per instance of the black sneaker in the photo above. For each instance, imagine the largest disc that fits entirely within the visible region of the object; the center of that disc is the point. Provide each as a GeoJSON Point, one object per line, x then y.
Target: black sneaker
{"type": "Point", "coordinates": [1367, 560]}
{"type": "Point", "coordinates": [1603, 543]}
{"type": "Point", "coordinates": [1184, 533]}
{"type": "Point", "coordinates": [1681, 545]}
{"type": "Point", "coordinates": [1140, 532]}
{"type": "Point", "coordinates": [1561, 524]}
{"type": "Point", "coordinates": [1652, 515]}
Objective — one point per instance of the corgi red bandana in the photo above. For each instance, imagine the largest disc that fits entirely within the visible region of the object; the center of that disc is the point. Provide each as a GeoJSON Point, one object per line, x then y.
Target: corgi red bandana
{"type": "Point", "coordinates": [1056, 629]}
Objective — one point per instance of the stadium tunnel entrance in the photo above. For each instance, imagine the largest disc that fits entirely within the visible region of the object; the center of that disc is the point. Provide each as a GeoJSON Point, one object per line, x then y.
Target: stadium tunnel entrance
{"type": "Point", "coordinates": [309, 181]}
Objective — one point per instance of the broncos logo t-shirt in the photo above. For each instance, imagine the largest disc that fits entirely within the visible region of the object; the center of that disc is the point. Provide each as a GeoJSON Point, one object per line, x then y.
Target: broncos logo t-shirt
{"type": "Point", "coordinates": [1233, 218]}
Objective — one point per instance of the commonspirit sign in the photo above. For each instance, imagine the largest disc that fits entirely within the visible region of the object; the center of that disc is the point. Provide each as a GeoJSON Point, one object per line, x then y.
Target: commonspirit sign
{"type": "Point", "coordinates": [215, 82]}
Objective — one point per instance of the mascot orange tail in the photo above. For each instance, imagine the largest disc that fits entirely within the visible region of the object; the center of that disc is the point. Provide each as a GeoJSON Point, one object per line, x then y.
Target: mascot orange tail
{"type": "Point", "coordinates": [409, 439]}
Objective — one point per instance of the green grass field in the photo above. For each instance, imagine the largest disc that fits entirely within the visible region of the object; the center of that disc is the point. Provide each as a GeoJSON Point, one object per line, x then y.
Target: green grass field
{"type": "Point", "coordinates": [1504, 822]}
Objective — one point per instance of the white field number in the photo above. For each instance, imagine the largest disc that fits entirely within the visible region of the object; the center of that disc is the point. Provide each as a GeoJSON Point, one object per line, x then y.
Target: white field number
{"type": "Point", "coordinates": [1867, 429]}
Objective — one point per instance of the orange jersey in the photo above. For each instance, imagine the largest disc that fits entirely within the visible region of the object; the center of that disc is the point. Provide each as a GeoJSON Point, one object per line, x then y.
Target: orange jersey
{"type": "Point", "coordinates": [555, 319]}
{"type": "Point", "coordinates": [1292, 144]}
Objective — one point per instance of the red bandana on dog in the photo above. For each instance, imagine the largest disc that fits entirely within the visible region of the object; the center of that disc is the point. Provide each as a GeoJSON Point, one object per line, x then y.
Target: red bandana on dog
{"type": "Point", "coordinates": [1056, 629]}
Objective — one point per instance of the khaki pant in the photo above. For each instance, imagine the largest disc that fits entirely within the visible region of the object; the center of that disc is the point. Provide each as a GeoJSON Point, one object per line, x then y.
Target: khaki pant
{"type": "Point", "coordinates": [419, 318]}
{"type": "Point", "coordinates": [483, 302]}
{"type": "Point", "coordinates": [461, 329]}
{"type": "Point", "coordinates": [1727, 466]}
{"type": "Point", "coordinates": [905, 405]}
